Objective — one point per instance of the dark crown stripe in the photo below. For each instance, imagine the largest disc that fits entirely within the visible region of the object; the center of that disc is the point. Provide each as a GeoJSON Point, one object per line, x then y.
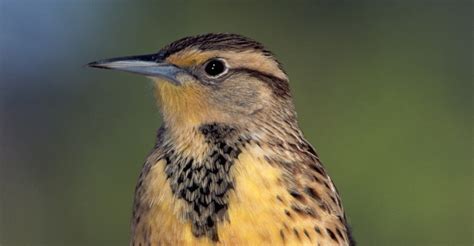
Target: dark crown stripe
{"type": "Point", "coordinates": [215, 41]}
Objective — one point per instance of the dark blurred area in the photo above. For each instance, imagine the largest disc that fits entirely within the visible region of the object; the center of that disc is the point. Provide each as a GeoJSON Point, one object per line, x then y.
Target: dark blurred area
{"type": "Point", "coordinates": [383, 91]}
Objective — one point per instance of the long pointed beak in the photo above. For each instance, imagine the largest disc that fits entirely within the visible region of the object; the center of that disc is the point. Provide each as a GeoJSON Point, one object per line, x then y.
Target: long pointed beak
{"type": "Point", "coordinates": [148, 65]}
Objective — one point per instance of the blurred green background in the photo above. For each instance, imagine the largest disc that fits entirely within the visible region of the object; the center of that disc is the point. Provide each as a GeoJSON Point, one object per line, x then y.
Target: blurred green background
{"type": "Point", "coordinates": [383, 90]}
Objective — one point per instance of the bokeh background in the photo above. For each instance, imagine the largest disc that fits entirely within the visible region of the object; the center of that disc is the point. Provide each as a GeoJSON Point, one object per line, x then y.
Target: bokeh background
{"type": "Point", "coordinates": [383, 90]}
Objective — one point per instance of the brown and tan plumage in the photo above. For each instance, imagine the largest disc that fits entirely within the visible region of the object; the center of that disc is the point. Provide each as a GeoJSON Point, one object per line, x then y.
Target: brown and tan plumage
{"type": "Point", "coordinates": [230, 165]}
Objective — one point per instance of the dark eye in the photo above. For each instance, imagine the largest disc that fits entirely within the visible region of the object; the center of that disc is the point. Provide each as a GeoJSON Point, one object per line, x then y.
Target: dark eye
{"type": "Point", "coordinates": [215, 67]}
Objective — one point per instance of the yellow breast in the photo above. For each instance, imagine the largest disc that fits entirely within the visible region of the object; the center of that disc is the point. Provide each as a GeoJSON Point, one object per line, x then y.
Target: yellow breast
{"type": "Point", "coordinates": [259, 210]}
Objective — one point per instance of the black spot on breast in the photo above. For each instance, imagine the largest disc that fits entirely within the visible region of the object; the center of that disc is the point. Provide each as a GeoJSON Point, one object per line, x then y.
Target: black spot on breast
{"type": "Point", "coordinates": [316, 179]}
{"type": "Point", "coordinates": [333, 199]}
{"type": "Point", "coordinates": [296, 233]}
{"type": "Point", "coordinates": [312, 193]}
{"type": "Point", "coordinates": [341, 219]}
{"type": "Point", "coordinates": [310, 149]}
{"type": "Point", "coordinates": [298, 196]}
{"type": "Point", "coordinates": [339, 233]}
{"type": "Point", "coordinates": [210, 222]}
{"type": "Point", "coordinates": [316, 229]}
{"type": "Point", "coordinates": [216, 133]}
{"type": "Point", "coordinates": [204, 185]}
{"type": "Point", "coordinates": [318, 168]}
{"type": "Point", "coordinates": [304, 210]}
{"type": "Point", "coordinates": [331, 234]}
{"type": "Point", "coordinates": [307, 234]}
{"type": "Point", "coordinates": [279, 199]}
{"type": "Point", "coordinates": [323, 207]}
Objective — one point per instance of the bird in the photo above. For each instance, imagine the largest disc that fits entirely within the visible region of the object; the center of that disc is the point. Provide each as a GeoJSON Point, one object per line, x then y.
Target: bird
{"type": "Point", "coordinates": [230, 165]}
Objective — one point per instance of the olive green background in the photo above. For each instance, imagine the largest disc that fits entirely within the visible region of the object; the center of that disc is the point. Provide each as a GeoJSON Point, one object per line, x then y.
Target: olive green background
{"type": "Point", "coordinates": [383, 91]}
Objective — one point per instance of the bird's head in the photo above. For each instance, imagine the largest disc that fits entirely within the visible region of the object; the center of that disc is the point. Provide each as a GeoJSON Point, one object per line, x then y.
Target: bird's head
{"type": "Point", "coordinates": [213, 78]}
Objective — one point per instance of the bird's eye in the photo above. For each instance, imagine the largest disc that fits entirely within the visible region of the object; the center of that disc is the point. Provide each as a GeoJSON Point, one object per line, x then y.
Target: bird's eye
{"type": "Point", "coordinates": [215, 67]}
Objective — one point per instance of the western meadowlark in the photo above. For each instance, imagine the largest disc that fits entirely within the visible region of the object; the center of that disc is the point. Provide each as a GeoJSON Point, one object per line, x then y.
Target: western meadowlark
{"type": "Point", "coordinates": [230, 165]}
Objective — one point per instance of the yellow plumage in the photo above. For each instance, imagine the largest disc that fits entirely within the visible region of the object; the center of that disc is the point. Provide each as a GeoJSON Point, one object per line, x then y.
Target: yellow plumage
{"type": "Point", "coordinates": [257, 212]}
